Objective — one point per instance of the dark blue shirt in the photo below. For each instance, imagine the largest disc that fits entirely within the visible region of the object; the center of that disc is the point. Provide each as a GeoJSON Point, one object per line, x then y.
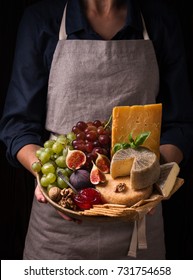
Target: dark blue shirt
{"type": "Point", "coordinates": [25, 107]}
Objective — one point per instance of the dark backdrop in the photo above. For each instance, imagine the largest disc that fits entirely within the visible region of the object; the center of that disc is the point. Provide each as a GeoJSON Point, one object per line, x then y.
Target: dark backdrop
{"type": "Point", "coordinates": [16, 198]}
{"type": "Point", "coordinates": [17, 185]}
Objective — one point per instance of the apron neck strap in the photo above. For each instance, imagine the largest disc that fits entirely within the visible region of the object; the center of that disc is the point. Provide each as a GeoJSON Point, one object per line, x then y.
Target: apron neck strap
{"type": "Point", "coordinates": [63, 34]}
{"type": "Point", "coordinates": [145, 34]}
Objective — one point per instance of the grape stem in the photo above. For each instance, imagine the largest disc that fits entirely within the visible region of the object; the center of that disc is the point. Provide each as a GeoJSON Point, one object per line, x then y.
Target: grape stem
{"type": "Point", "coordinates": [66, 181]}
{"type": "Point", "coordinates": [107, 124]}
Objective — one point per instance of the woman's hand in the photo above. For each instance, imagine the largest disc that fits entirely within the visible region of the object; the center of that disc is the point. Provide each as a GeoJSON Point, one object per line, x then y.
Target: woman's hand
{"type": "Point", "coordinates": [170, 153]}
{"type": "Point", "coordinates": [152, 211]}
{"type": "Point", "coordinates": [67, 218]}
{"type": "Point", "coordinates": [39, 195]}
{"type": "Point", "coordinates": [41, 198]}
{"type": "Point", "coordinates": [27, 156]}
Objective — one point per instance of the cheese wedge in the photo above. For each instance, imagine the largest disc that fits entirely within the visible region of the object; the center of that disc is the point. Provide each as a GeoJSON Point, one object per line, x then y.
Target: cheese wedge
{"type": "Point", "coordinates": [168, 176]}
{"type": "Point", "coordinates": [137, 119]}
{"type": "Point", "coordinates": [141, 164]}
{"type": "Point", "coordinates": [119, 191]}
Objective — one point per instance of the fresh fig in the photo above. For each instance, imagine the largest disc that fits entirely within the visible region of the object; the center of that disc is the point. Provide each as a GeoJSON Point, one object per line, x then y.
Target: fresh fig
{"type": "Point", "coordinates": [103, 163]}
{"type": "Point", "coordinates": [80, 179]}
{"type": "Point", "coordinates": [75, 159]}
{"type": "Point", "coordinates": [96, 175]}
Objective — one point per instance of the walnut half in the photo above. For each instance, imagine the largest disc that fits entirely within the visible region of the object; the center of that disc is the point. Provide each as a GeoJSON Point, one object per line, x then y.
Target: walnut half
{"type": "Point", "coordinates": [67, 199]}
{"type": "Point", "coordinates": [120, 187]}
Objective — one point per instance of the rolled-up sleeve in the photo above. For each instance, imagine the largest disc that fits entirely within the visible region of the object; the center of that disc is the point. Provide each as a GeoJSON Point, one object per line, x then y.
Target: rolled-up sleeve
{"type": "Point", "coordinates": [25, 105]}
{"type": "Point", "coordinates": [175, 94]}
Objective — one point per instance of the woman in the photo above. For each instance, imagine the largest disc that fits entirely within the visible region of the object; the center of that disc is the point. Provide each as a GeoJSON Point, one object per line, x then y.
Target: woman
{"type": "Point", "coordinates": [104, 58]}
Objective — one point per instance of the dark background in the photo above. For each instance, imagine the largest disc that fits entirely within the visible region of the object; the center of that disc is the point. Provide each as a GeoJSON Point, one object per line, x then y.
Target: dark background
{"type": "Point", "coordinates": [17, 185]}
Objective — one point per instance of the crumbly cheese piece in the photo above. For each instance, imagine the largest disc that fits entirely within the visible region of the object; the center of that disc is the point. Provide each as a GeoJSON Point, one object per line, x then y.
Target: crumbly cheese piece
{"type": "Point", "coordinates": [137, 119]}
{"type": "Point", "coordinates": [141, 164]}
{"type": "Point", "coordinates": [168, 176]}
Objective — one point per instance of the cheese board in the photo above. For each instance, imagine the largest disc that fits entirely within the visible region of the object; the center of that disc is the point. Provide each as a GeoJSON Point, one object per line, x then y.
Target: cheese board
{"type": "Point", "coordinates": [106, 212]}
{"type": "Point", "coordinates": [108, 171]}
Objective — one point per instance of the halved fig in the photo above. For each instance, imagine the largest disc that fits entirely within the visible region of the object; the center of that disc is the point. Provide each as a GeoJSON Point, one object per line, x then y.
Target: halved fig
{"type": "Point", "coordinates": [103, 163]}
{"type": "Point", "coordinates": [96, 175]}
{"type": "Point", "coordinates": [75, 159]}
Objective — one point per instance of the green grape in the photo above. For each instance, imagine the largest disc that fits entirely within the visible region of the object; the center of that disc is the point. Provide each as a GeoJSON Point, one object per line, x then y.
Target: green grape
{"type": "Point", "coordinates": [48, 167]}
{"type": "Point", "coordinates": [36, 166]}
{"type": "Point", "coordinates": [51, 178]}
{"type": "Point", "coordinates": [70, 147]}
{"type": "Point", "coordinates": [62, 139]}
{"type": "Point", "coordinates": [65, 152]}
{"type": "Point", "coordinates": [71, 136]}
{"type": "Point", "coordinates": [61, 161]}
{"type": "Point", "coordinates": [53, 163]}
{"type": "Point", "coordinates": [44, 157]}
{"type": "Point", "coordinates": [61, 183]}
{"type": "Point", "coordinates": [68, 171]}
{"type": "Point", "coordinates": [49, 143]}
{"type": "Point", "coordinates": [38, 152]}
{"type": "Point", "coordinates": [54, 157]}
{"type": "Point", "coordinates": [44, 181]}
{"type": "Point", "coordinates": [49, 151]}
{"type": "Point", "coordinates": [57, 147]}
{"type": "Point", "coordinates": [63, 171]}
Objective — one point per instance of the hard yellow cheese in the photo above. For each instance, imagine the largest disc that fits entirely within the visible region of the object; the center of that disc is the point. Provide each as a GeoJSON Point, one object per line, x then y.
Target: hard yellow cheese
{"type": "Point", "coordinates": [137, 119]}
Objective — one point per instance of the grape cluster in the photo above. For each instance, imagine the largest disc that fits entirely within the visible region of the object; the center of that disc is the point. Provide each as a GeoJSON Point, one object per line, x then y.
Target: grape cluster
{"type": "Point", "coordinates": [52, 158]}
{"type": "Point", "coordinates": [92, 138]}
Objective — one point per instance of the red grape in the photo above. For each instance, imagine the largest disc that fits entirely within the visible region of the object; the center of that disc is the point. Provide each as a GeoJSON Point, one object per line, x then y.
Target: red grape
{"type": "Point", "coordinates": [97, 123]}
{"type": "Point", "coordinates": [91, 136]}
{"type": "Point", "coordinates": [75, 129]}
{"type": "Point", "coordinates": [81, 125]}
{"type": "Point", "coordinates": [96, 143]}
{"type": "Point", "coordinates": [80, 135]}
{"type": "Point", "coordinates": [104, 139]}
{"type": "Point", "coordinates": [97, 150]}
{"type": "Point", "coordinates": [90, 157]}
{"type": "Point", "coordinates": [89, 147]}
{"type": "Point", "coordinates": [101, 130]}
{"type": "Point", "coordinates": [77, 141]}
{"type": "Point", "coordinates": [90, 128]}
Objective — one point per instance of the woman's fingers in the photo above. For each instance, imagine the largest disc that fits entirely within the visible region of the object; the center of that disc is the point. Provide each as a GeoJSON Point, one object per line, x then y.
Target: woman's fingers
{"type": "Point", "coordinates": [67, 218]}
{"type": "Point", "coordinates": [39, 196]}
{"type": "Point", "coordinates": [152, 211]}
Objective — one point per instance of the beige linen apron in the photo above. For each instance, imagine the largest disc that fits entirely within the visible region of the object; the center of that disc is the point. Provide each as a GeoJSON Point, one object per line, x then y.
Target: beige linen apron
{"type": "Point", "coordinates": [87, 79]}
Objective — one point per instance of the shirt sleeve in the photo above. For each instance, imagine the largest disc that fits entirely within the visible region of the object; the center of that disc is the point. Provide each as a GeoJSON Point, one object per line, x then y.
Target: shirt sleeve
{"type": "Point", "coordinates": [25, 106]}
{"type": "Point", "coordinates": [175, 94]}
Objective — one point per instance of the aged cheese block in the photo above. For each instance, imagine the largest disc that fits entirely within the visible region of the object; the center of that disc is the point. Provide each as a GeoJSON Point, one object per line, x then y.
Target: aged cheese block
{"type": "Point", "coordinates": [141, 164]}
{"type": "Point", "coordinates": [119, 191]}
{"type": "Point", "coordinates": [137, 119]}
{"type": "Point", "coordinates": [168, 175]}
